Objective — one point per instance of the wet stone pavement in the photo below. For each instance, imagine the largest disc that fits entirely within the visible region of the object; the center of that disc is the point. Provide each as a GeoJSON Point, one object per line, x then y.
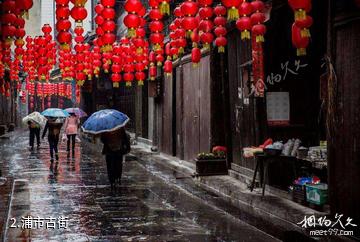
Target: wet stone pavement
{"type": "Point", "coordinates": [146, 207]}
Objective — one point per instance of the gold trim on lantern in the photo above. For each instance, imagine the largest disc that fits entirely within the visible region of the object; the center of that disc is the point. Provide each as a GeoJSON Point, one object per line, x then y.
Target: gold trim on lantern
{"type": "Point", "coordinates": [164, 8]}
{"type": "Point", "coordinates": [80, 82]}
{"type": "Point", "coordinates": [260, 38]}
{"type": "Point", "coordinates": [300, 14]}
{"type": "Point", "coordinates": [65, 46]}
{"type": "Point", "coordinates": [206, 46]}
{"type": "Point", "coordinates": [139, 50]}
{"type": "Point", "coordinates": [301, 51]}
{"type": "Point", "coordinates": [131, 33]}
{"type": "Point", "coordinates": [305, 32]}
{"type": "Point", "coordinates": [116, 85]}
{"type": "Point", "coordinates": [156, 47]}
{"type": "Point", "coordinates": [232, 14]}
{"type": "Point", "coordinates": [221, 49]}
{"type": "Point", "coordinates": [188, 33]}
{"type": "Point", "coordinates": [245, 34]}
{"type": "Point", "coordinates": [78, 23]}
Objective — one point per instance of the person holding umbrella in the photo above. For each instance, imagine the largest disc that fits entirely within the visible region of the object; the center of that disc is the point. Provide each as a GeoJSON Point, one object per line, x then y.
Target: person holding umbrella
{"type": "Point", "coordinates": [71, 128]}
{"type": "Point", "coordinates": [110, 125]}
{"type": "Point", "coordinates": [34, 121]}
{"type": "Point", "coordinates": [53, 128]}
{"type": "Point", "coordinates": [34, 129]}
{"type": "Point", "coordinates": [116, 144]}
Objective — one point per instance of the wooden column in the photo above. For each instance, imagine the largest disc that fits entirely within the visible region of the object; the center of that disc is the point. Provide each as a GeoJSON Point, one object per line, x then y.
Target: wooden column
{"type": "Point", "coordinates": [343, 114]}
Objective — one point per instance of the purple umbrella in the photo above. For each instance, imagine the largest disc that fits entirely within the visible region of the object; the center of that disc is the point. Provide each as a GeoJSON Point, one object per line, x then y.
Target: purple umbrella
{"type": "Point", "coordinates": [77, 111]}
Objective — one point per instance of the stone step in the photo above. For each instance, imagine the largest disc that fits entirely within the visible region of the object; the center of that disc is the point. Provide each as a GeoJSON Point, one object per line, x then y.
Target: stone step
{"type": "Point", "coordinates": [243, 178]}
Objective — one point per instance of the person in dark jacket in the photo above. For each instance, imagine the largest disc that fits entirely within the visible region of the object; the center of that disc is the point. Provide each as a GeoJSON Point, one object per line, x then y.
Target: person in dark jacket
{"type": "Point", "coordinates": [34, 129]}
{"type": "Point", "coordinates": [53, 129]}
{"type": "Point", "coordinates": [116, 144]}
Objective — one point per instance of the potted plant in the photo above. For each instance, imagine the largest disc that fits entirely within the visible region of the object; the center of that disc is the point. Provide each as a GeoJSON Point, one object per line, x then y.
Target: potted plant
{"type": "Point", "coordinates": [213, 163]}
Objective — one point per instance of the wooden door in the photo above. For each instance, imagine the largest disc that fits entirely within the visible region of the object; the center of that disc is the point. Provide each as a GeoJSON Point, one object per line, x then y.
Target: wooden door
{"type": "Point", "coordinates": [196, 108]}
{"type": "Point", "coordinates": [191, 121]}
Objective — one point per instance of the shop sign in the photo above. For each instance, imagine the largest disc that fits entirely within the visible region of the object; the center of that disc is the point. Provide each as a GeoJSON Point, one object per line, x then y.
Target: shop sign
{"type": "Point", "coordinates": [278, 108]}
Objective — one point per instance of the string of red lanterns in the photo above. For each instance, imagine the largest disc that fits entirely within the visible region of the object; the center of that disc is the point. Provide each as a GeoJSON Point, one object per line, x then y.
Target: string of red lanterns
{"type": "Point", "coordinates": [206, 25]}
{"type": "Point", "coordinates": [300, 34]}
{"type": "Point", "coordinates": [128, 59]}
{"type": "Point", "coordinates": [220, 29]}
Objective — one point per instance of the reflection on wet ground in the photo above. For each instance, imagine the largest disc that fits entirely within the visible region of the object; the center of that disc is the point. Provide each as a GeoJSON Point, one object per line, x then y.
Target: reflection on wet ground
{"type": "Point", "coordinates": [143, 208]}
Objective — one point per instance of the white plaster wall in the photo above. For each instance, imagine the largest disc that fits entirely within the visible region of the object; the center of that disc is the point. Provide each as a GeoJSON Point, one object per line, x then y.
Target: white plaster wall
{"type": "Point", "coordinates": [43, 12]}
{"type": "Point", "coordinates": [32, 25]}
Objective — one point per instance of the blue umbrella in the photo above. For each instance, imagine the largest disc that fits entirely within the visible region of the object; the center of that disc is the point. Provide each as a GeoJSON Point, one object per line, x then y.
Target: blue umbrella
{"type": "Point", "coordinates": [55, 113]}
{"type": "Point", "coordinates": [77, 111]}
{"type": "Point", "coordinates": [106, 120]}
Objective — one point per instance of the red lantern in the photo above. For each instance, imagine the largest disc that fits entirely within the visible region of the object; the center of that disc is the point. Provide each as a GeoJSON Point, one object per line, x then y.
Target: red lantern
{"type": "Point", "coordinates": [304, 25]}
{"type": "Point", "coordinates": [128, 78]}
{"type": "Point", "coordinates": [195, 56]}
{"type": "Point", "coordinates": [168, 67]}
{"type": "Point", "coordinates": [132, 21]}
{"type": "Point", "coordinates": [232, 12]}
{"type": "Point", "coordinates": [24, 5]}
{"type": "Point", "coordinates": [133, 6]}
{"type": "Point", "coordinates": [116, 78]}
{"type": "Point", "coordinates": [140, 77]}
{"type": "Point", "coordinates": [259, 31]}
{"type": "Point", "coordinates": [300, 7]}
{"type": "Point", "coordinates": [244, 25]}
{"type": "Point", "coordinates": [221, 42]}
{"type": "Point", "coordinates": [298, 41]}
{"type": "Point", "coordinates": [152, 72]}
{"type": "Point", "coordinates": [78, 14]}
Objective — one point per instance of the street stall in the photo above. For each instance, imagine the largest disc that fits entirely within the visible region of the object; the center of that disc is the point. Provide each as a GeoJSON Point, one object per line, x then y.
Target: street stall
{"type": "Point", "coordinates": [277, 94]}
{"type": "Point", "coordinates": [301, 170]}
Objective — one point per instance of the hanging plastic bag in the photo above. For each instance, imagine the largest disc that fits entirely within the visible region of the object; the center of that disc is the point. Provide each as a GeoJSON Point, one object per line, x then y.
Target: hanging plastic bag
{"type": "Point", "coordinates": [64, 137]}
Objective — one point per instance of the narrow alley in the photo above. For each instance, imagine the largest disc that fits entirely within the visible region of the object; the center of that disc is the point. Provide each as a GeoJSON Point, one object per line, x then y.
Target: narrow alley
{"type": "Point", "coordinates": [143, 208]}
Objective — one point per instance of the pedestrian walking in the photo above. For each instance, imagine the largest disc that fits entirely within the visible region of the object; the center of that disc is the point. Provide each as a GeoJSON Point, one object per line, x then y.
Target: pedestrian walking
{"type": "Point", "coordinates": [53, 128]}
{"type": "Point", "coordinates": [71, 129]}
{"type": "Point", "coordinates": [34, 129]}
{"type": "Point", "coordinates": [116, 144]}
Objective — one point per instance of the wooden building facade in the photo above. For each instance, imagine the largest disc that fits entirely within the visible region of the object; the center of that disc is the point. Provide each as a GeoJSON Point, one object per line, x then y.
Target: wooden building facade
{"type": "Point", "coordinates": [321, 90]}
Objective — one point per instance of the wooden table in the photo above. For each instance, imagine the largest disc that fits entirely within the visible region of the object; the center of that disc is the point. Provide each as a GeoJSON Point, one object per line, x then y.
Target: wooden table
{"type": "Point", "coordinates": [263, 161]}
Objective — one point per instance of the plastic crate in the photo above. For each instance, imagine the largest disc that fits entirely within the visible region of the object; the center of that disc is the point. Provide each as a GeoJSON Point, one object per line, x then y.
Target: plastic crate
{"type": "Point", "coordinates": [299, 193]}
{"type": "Point", "coordinates": [317, 193]}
